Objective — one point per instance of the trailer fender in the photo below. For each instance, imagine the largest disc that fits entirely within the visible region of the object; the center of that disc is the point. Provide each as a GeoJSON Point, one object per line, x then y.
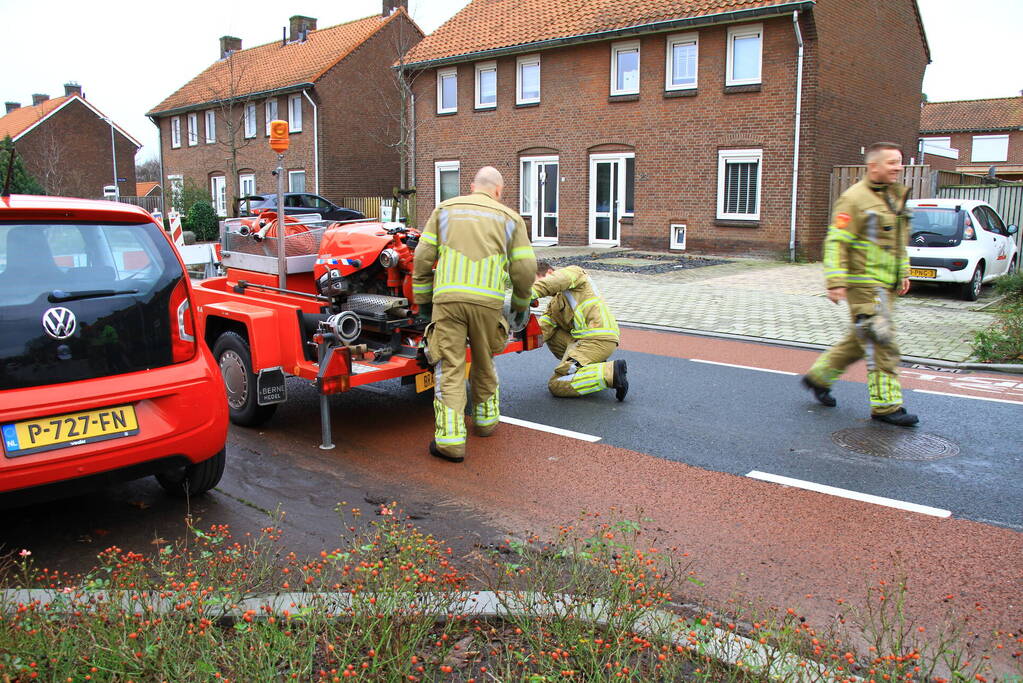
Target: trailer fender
{"type": "Point", "coordinates": [262, 329]}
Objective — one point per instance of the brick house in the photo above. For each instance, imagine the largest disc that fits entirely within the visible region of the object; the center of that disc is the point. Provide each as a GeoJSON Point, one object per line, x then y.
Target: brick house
{"type": "Point", "coordinates": [657, 124]}
{"type": "Point", "coordinates": [70, 146]}
{"type": "Point", "coordinates": [971, 136]}
{"type": "Point", "coordinates": [333, 85]}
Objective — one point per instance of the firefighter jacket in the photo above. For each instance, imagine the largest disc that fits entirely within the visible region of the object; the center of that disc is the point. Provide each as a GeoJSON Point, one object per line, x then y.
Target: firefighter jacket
{"type": "Point", "coordinates": [866, 241]}
{"type": "Point", "coordinates": [475, 242]}
{"type": "Point", "coordinates": [575, 307]}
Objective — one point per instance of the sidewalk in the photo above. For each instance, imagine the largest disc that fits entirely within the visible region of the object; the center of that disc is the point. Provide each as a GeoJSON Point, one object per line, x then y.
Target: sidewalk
{"type": "Point", "coordinates": [773, 301]}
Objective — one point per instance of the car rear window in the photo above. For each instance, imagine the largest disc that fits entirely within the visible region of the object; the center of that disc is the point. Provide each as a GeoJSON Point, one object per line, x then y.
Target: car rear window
{"type": "Point", "coordinates": [110, 282]}
{"type": "Point", "coordinates": [938, 221]}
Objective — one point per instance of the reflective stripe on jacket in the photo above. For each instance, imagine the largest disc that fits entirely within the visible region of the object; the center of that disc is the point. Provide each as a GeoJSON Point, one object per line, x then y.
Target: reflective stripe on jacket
{"type": "Point", "coordinates": [576, 307]}
{"type": "Point", "coordinates": [474, 240]}
{"type": "Point", "coordinates": [866, 242]}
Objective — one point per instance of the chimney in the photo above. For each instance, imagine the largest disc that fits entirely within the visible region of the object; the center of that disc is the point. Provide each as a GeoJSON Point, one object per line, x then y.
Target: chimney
{"type": "Point", "coordinates": [11, 106]}
{"type": "Point", "coordinates": [300, 27]}
{"type": "Point", "coordinates": [391, 5]}
{"type": "Point", "coordinates": [229, 44]}
{"type": "Point", "coordinates": [38, 98]}
{"type": "Point", "coordinates": [72, 88]}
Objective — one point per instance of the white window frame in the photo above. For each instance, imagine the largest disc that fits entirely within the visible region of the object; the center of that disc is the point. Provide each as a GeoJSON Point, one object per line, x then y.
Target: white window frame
{"type": "Point", "coordinates": [669, 61]}
{"type": "Point", "coordinates": [616, 49]}
{"type": "Point", "coordinates": [176, 183]}
{"type": "Point", "coordinates": [175, 132]}
{"type": "Point", "coordinates": [270, 110]}
{"type": "Point", "coordinates": [250, 120]}
{"type": "Point", "coordinates": [211, 126]}
{"type": "Point", "coordinates": [482, 67]}
{"type": "Point", "coordinates": [439, 166]}
{"type": "Point", "coordinates": [219, 198]}
{"type": "Point", "coordinates": [291, 180]}
{"type": "Point", "coordinates": [193, 129]}
{"type": "Point", "coordinates": [242, 178]}
{"type": "Point", "coordinates": [739, 156]}
{"type": "Point", "coordinates": [987, 139]}
{"type": "Point", "coordinates": [526, 60]}
{"type": "Point", "coordinates": [441, 75]}
{"type": "Point", "coordinates": [295, 113]}
{"type": "Point", "coordinates": [744, 31]}
{"type": "Point", "coordinates": [674, 230]}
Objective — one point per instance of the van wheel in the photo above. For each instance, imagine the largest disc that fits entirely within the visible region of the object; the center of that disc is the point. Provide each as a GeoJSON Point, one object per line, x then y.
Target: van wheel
{"type": "Point", "coordinates": [971, 290]}
{"type": "Point", "coordinates": [235, 361]}
{"type": "Point", "coordinates": [195, 478]}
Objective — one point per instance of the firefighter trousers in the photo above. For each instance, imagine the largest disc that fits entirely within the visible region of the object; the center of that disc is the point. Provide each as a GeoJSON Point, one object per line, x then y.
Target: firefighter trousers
{"type": "Point", "coordinates": [882, 364]}
{"type": "Point", "coordinates": [583, 368]}
{"type": "Point", "coordinates": [487, 333]}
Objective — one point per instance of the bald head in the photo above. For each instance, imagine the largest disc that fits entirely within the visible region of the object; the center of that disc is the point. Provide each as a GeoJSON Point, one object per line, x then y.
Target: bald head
{"type": "Point", "coordinates": [489, 181]}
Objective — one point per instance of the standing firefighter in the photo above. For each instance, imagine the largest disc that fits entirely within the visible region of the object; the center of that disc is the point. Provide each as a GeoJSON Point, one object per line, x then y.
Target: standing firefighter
{"type": "Point", "coordinates": [580, 330]}
{"type": "Point", "coordinates": [476, 243]}
{"type": "Point", "coordinates": [865, 263]}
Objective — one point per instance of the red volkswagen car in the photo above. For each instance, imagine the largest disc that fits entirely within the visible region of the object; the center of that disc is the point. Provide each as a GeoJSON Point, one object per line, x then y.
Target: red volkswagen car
{"type": "Point", "coordinates": [101, 375]}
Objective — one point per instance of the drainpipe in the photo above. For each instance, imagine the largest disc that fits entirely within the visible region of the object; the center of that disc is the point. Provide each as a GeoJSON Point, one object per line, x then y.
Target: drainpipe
{"type": "Point", "coordinates": [316, 139]}
{"type": "Point", "coordinates": [795, 149]}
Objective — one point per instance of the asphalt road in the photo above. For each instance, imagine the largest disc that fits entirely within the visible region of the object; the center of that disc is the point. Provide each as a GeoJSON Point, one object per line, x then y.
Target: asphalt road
{"type": "Point", "coordinates": [677, 452]}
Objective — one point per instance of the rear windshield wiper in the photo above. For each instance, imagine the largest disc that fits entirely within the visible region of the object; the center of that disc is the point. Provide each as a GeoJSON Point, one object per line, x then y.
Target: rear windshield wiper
{"type": "Point", "coordinates": [59, 295]}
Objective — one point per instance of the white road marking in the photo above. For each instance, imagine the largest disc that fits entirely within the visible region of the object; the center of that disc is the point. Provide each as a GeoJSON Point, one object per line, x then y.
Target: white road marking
{"type": "Point", "coordinates": [553, 430]}
{"type": "Point", "coordinates": [845, 493]}
{"type": "Point", "coordinates": [978, 398]}
{"type": "Point", "coordinates": [744, 367]}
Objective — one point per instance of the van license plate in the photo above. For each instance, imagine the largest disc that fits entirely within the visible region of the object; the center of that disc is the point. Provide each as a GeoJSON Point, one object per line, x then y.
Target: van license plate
{"type": "Point", "coordinates": [923, 272]}
{"type": "Point", "coordinates": [424, 381]}
{"type": "Point", "coordinates": [72, 429]}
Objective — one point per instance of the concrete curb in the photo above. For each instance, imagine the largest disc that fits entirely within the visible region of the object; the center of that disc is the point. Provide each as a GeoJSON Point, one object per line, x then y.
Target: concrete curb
{"type": "Point", "coordinates": [724, 646]}
{"type": "Point", "coordinates": [936, 362]}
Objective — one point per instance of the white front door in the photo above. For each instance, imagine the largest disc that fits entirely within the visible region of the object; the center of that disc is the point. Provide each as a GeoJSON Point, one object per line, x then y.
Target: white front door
{"type": "Point", "coordinates": [539, 197]}
{"type": "Point", "coordinates": [218, 189]}
{"type": "Point", "coordinates": [607, 197]}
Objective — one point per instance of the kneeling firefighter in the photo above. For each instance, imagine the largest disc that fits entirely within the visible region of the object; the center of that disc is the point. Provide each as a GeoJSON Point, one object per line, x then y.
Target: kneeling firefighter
{"type": "Point", "coordinates": [581, 331]}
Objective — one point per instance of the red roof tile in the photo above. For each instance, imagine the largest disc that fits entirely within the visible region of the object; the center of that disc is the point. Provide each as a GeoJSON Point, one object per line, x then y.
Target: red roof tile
{"type": "Point", "coordinates": [23, 118]}
{"type": "Point", "coordinates": [999, 113]}
{"type": "Point", "coordinates": [272, 66]}
{"type": "Point", "coordinates": [144, 187]}
{"type": "Point", "coordinates": [493, 24]}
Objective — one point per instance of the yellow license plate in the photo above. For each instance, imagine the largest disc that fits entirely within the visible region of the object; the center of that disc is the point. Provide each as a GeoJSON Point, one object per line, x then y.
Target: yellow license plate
{"type": "Point", "coordinates": [72, 429]}
{"type": "Point", "coordinates": [923, 272]}
{"type": "Point", "coordinates": [424, 381]}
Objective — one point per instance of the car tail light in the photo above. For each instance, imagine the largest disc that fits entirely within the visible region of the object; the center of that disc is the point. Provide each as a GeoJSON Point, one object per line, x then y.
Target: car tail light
{"type": "Point", "coordinates": [182, 324]}
{"type": "Point", "coordinates": [959, 264]}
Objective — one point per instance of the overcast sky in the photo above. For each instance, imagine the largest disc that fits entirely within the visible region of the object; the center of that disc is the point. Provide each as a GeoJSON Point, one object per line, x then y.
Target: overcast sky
{"type": "Point", "coordinates": [129, 55]}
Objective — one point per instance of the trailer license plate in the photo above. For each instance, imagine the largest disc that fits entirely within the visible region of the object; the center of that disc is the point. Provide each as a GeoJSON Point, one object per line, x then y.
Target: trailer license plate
{"type": "Point", "coordinates": [424, 381]}
{"type": "Point", "coordinates": [72, 429]}
{"type": "Point", "coordinates": [923, 272]}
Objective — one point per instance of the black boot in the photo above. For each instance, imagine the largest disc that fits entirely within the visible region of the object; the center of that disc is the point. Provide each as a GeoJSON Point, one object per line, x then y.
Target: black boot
{"type": "Point", "coordinates": [621, 379]}
{"type": "Point", "coordinates": [438, 453]}
{"type": "Point", "coordinates": [822, 394]}
{"type": "Point", "coordinates": [900, 418]}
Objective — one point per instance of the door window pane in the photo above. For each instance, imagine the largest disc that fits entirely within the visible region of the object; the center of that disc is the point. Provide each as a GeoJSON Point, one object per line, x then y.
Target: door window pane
{"type": "Point", "coordinates": [526, 183]}
{"type": "Point", "coordinates": [549, 181]}
{"type": "Point", "coordinates": [603, 228]}
{"type": "Point", "coordinates": [550, 227]}
{"type": "Point", "coordinates": [603, 188]}
{"type": "Point", "coordinates": [630, 184]}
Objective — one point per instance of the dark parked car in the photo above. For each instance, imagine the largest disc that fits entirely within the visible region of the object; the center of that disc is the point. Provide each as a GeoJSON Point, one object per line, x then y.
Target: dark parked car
{"type": "Point", "coordinates": [298, 202]}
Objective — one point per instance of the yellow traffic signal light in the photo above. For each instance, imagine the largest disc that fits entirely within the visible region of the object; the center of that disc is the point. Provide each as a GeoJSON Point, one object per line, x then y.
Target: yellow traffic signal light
{"type": "Point", "coordinates": [279, 136]}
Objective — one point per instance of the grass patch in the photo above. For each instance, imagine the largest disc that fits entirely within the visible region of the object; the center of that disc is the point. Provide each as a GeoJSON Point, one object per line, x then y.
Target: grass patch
{"type": "Point", "coordinates": [594, 603]}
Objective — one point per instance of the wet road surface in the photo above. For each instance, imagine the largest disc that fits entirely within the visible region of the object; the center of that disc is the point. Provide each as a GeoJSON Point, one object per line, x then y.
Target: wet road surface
{"type": "Point", "coordinates": [677, 451]}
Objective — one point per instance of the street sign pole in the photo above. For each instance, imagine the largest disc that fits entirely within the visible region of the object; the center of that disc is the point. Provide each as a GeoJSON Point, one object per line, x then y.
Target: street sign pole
{"type": "Point", "coordinates": [282, 259]}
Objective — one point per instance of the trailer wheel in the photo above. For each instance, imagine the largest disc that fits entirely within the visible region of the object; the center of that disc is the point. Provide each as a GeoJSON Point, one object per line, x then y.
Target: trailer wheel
{"type": "Point", "coordinates": [235, 361]}
{"type": "Point", "coordinates": [195, 478]}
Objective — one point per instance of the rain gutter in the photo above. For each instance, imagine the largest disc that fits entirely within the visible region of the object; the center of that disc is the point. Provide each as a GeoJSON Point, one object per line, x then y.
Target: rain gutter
{"type": "Point", "coordinates": [240, 98]}
{"type": "Point", "coordinates": [316, 139]}
{"type": "Point", "coordinates": [673, 24]}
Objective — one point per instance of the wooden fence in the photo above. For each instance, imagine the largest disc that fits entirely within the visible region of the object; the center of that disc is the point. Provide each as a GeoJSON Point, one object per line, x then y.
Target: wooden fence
{"type": "Point", "coordinates": [918, 177]}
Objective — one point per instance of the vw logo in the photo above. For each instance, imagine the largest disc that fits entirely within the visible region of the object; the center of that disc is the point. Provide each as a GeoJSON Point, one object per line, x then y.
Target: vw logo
{"type": "Point", "coordinates": [59, 322]}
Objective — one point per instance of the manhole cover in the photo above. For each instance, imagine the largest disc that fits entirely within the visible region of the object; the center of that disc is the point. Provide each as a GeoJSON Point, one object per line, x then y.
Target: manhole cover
{"type": "Point", "coordinates": [898, 445]}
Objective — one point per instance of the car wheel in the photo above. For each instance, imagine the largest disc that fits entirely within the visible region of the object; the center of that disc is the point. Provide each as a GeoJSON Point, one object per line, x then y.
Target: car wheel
{"type": "Point", "coordinates": [971, 290]}
{"type": "Point", "coordinates": [235, 361]}
{"type": "Point", "coordinates": [195, 478]}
